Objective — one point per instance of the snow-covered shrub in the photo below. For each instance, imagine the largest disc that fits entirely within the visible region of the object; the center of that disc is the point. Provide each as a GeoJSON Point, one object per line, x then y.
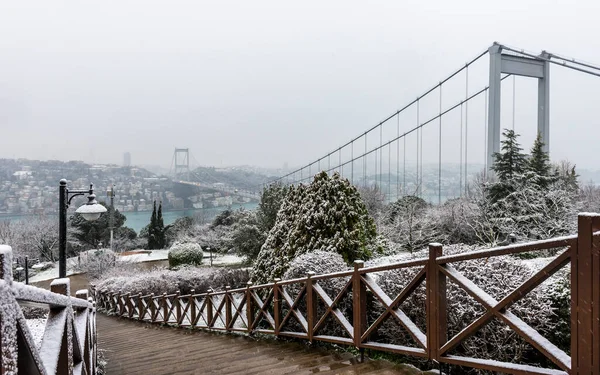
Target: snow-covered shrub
{"type": "Point", "coordinates": [185, 253]}
{"type": "Point", "coordinates": [411, 224]}
{"type": "Point", "coordinates": [328, 215]}
{"type": "Point", "coordinates": [160, 281]}
{"type": "Point", "coordinates": [320, 262]}
{"type": "Point", "coordinates": [497, 276]}
{"type": "Point", "coordinates": [96, 262]}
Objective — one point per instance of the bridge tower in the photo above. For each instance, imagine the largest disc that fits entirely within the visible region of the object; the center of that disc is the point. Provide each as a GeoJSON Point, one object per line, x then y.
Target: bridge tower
{"type": "Point", "coordinates": [181, 163]}
{"type": "Point", "coordinates": [520, 66]}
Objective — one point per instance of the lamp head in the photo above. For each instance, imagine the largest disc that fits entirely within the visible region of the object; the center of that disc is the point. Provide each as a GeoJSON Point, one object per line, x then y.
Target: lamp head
{"type": "Point", "coordinates": [92, 209]}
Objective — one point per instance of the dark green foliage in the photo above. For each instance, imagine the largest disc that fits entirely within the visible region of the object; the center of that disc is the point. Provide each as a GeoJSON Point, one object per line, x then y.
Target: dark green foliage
{"type": "Point", "coordinates": [224, 218]}
{"type": "Point", "coordinates": [92, 233]}
{"type": "Point", "coordinates": [247, 236]}
{"type": "Point", "coordinates": [156, 230]}
{"type": "Point", "coordinates": [404, 205]}
{"type": "Point", "coordinates": [539, 165]}
{"type": "Point", "coordinates": [509, 166]}
{"type": "Point", "coordinates": [327, 215]}
{"type": "Point", "coordinates": [270, 201]}
{"type": "Point", "coordinates": [160, 229]}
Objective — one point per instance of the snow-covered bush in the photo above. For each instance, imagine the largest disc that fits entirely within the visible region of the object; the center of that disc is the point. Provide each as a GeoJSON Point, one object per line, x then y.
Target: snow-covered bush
{"type": "Point", "coordinates": [160, 281]}
{"type": "Point", "coordinates": [328, 215]}
{"type": "Point", "coordinates": [185, 253]}
{"type": "Point", "coordinates": [96, 262]}
{"type": "Point", "coordinates": [320, 262]}
{"type": "Point", "coordinates": [497, 276]}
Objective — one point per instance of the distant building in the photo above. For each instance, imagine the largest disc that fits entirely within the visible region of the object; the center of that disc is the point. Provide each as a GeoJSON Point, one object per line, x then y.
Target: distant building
{"type": "Point", "coordinates": [127, 159]}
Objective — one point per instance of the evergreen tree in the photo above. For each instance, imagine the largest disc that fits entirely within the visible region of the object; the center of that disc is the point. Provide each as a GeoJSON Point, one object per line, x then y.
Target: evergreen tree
{"type": "Point", "coordinates": [327, 215]}
{"type": "Point", "coordinates": [511, 162]}
{"type": "Point", "coordinates": [509, 166]}
{"type": "Point", "coordinates": [539, 165]}
{"type": "Point", "coordinates": [152, 229]}
{"type": "Point", "coordinates": [160, 229]}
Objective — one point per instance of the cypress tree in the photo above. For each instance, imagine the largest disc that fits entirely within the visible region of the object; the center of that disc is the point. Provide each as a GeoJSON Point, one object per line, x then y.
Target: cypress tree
{"type": "Point", "coordinates": [152, 229]}
{"type": "Point", "coordinates": [160, 229]}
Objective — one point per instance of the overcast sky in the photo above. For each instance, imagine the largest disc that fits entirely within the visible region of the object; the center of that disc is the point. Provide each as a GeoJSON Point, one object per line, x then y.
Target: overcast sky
{"type": "Point", "coordinates": [268, 82]}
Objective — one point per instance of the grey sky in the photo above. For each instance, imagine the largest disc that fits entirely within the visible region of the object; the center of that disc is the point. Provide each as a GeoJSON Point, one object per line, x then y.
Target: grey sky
{"type": "Point", "coordinates": [268, 82]}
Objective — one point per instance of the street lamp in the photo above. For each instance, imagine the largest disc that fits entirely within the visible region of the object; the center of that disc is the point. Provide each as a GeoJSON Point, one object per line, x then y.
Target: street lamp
{"type": "Point", "coordinates": [110, 192]}
{"type": "Point", "coordinates": [90, 211]}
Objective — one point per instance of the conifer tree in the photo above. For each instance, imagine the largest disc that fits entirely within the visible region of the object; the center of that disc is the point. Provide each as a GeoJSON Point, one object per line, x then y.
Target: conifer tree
{"type": "Point", "coordinates": [160, 229]}
{"type": "Point", "coordinates": [509, 166]}
{"type": "Point", "coordinates": [152, 229]}
{"type": "Point", "coordinates": [539, 165]}
{"type": "Point", "coordinates": [511, 162]}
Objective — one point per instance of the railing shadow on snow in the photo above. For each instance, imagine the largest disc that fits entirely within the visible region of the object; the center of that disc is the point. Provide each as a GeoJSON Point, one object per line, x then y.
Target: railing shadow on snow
{"type": "Point", "coordinates": [269, 308]}
{"type": "Point", "coordinates": [68, 345]}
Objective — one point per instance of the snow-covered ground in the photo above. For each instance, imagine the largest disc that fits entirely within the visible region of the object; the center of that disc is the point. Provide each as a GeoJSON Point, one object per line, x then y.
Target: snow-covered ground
{"type": "Point", "coordinates": [154, 255]}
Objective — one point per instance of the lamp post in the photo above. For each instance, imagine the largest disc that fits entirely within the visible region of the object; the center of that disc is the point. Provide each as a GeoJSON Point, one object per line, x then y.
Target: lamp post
{"type": "Point", "coordinates": [90, 211]}
{"type": "Point", "coordinates": [110, 192]}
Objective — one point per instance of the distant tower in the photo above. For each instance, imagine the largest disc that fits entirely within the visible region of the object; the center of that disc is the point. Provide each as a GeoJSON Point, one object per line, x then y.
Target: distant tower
{"type": "Point", "coordinates": [181, 162]}
{"type": "Point", "coordinates": [127, 159]}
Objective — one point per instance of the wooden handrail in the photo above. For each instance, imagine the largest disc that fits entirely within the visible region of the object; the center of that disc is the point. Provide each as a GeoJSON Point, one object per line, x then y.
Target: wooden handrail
{"type": "Point", "coordinates": [273, 306]}
{"type": "Point", "coordinates": [71, 320]}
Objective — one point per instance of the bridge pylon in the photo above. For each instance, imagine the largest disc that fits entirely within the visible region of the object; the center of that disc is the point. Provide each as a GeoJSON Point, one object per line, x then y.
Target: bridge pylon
{"type": "Point", "coordinates": [181, 163]}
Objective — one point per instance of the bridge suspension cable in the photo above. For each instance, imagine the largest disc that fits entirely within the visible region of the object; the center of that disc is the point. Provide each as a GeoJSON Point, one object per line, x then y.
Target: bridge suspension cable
{"type": "Point", "coordinates": [364, 134]}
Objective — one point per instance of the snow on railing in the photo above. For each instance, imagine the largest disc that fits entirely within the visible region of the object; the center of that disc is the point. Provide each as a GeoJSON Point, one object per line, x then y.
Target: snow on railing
{"type": "Point", "coordinates": [68, 344]}
{"type": "Point", "coordinates": [271, 308]}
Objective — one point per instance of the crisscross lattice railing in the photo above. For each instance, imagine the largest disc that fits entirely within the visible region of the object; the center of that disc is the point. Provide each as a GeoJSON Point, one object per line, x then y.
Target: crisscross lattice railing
{"type": "Point", "coordinates": [341, 307]}
{"type": "Point", "coordinates": [68, 344]}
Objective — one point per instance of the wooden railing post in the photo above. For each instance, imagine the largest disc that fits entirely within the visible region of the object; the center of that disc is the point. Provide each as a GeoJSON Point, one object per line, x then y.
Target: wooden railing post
{"type": "Point", "coordinates": [359, 305]}
{"type": "Point", "coordinates": [311, 305]}
{"type": "Point", "coordinates": [249, 311]}
{"type": "Point", "coordinates": [129, 304]}
{"type": "Point", "coordinates": [177, 307]}
{"type": "Point", "coordinates": [437, 332]}
{"type": "Point", "coordinates": [165, 308]}
{"type": "Point", "coordinates": [140, 304]}
{"type": "Point", "coordinates": [585, 298]}
{"type": "Point", "coordinates": [209, 308]}
{"type": "Point", "coordinates": [65, 357]}
{"type": "Point", "coordinates": [152, 307]}
{"type": "Point", "coordinates": [227, 296]}
{"type": "Point", "coordinates": [192, 307]}
{"type": "Point", "coordinates": [276, 305]}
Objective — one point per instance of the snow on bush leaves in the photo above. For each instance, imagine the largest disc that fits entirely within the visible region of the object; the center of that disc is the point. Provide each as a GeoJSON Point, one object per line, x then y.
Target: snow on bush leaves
{"type": "Point", "coordinates": [188, 253]}
{"type": "Point", "coordinates": [327, 215]}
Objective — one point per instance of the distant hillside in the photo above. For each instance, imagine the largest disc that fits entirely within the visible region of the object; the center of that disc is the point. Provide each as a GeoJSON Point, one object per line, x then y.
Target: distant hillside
{"type": "Point", "coordinates": [239, 177]}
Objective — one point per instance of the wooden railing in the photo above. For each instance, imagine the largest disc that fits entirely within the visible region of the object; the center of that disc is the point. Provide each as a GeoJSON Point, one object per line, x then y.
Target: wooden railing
{"type": "Point", "coordinates": [268, 308]}
{"type": "Point", "coordinates": [68, 344]}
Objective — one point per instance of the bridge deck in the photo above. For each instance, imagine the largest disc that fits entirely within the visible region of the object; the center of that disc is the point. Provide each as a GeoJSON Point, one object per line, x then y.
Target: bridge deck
{"type": "Point", "coordinates": [140, 348]}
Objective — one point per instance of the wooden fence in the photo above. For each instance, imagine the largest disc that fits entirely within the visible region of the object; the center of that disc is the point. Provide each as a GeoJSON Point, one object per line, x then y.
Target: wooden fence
{"type": "Point", "coordinates": [68, 345]}
{"type": "Point", "coordinates": [269, 308]}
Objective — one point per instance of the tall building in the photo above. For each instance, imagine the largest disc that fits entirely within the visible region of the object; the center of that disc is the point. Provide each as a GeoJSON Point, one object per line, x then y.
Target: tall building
{"type": "Point", "coordinates": [127, 159]}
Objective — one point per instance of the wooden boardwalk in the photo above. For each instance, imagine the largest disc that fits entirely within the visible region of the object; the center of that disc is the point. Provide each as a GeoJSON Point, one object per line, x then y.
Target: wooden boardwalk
{"type": "Point", "coordinates": [132, 347]}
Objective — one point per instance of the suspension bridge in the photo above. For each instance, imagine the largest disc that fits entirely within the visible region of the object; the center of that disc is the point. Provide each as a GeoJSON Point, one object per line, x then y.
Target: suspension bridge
{"type": "Point", "coordinates": [396, 154]}
{"type": "Point", "coordinates": [269, 309]}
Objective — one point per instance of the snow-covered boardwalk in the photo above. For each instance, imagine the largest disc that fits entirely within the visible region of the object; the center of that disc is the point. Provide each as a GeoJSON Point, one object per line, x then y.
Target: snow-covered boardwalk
{"type": "Point", "coordinates": [141, 348]}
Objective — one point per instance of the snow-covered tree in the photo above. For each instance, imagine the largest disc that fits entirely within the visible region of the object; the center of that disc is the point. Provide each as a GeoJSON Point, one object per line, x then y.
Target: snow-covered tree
{"type": "Point", "coordinates": [328, 215]}
{"type": "Point", "coordinates": [509, 166]}
{"type": "Point", "coordinates": [539, 166]}
{"type": "Point", "coordinates": [270, 201]}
